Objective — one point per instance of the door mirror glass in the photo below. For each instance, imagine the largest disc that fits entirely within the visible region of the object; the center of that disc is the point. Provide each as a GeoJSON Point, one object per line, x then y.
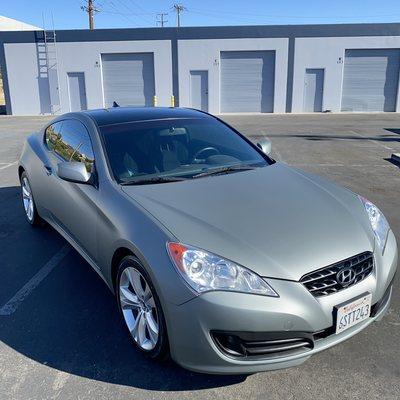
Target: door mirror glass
{"type": "Point", "coordinates": [74, 172]}
{"type": "Point", "coordinates": [265, 145]}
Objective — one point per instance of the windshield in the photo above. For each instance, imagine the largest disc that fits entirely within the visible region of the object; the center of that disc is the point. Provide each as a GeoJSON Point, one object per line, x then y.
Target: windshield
{"type": "Point", "coordinates": [175, 148]}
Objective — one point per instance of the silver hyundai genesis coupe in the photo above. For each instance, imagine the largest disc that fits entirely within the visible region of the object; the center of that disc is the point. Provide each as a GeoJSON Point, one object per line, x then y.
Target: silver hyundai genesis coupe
{"type": "Point", "coordinates": [218, 255]}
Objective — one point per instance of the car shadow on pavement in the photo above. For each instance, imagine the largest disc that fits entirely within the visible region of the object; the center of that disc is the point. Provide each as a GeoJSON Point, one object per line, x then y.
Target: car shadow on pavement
{"type": "Point", "coordinates": [70, 321]}
{"type": "Point", "coordinates": [395, 163]}
{"type": "Point", "coordinates": [393, 130]}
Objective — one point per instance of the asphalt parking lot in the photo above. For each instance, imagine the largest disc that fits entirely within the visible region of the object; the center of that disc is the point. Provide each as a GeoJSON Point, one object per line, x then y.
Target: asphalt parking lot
{"type": "Point", "coordinates": [64, 340]}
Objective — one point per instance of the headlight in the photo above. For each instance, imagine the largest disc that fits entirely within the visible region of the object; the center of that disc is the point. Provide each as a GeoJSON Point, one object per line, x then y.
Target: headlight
{"type": "Point", "coordinates": [205, 271]}
{"type": "Point", "coordinates": [378, 222]}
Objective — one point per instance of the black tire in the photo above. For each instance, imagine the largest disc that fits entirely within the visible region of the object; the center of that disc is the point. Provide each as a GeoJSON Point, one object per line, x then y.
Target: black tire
{"type": "Point", "coordinates": [35, 220]}
{"type": "Point", "coordinates": [161, 349]}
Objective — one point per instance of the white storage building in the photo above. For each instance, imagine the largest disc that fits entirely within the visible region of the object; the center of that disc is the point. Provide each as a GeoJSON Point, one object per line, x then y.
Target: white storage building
{"type": "Point", "coordinates": [242, 69]}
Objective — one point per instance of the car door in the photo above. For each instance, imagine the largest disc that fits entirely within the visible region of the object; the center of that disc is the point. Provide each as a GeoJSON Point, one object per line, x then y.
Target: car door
{"type": "Point", "coordinates": [41, 168]}
{"type": "Point", "coordinates": [72, 206]}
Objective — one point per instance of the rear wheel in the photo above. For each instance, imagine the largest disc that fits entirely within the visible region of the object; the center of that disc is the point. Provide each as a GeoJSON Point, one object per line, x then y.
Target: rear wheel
{"type": "Point", "coordinates": [28, 202]}
{"type": "Point", "coordinates": [141, 308]}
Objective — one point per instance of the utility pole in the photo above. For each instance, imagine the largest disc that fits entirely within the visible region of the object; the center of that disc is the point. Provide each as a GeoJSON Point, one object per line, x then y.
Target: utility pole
{"type": "Point", "coordinates": [161, 20]}
{"type": "Point", "coordinates": [90, 9]}
{"type": "Point", "coordinates": [178, 9]}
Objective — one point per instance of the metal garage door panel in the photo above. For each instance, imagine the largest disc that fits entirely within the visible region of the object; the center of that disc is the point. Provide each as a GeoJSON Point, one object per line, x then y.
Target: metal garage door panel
{"type": "Point", "coordinates": [247, 81]}
{"type": "Point", "coordinates": [370, 80]}
{"type": "Point", "coordinates": [128, 79]}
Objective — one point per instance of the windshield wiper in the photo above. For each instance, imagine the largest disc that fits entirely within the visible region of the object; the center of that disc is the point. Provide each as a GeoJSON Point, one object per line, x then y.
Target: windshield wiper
{"type": "Point", "coordinates": [155, 180]}
{"type": "Point", "coordinates": [224, 170]}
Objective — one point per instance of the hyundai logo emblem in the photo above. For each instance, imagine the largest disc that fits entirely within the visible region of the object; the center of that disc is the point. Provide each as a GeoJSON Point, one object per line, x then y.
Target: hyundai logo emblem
{"type": "Point", "coordinates": [346, 276]}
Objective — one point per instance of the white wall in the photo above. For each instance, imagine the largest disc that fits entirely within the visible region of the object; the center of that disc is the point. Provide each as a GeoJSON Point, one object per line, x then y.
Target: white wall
{"type": "Point", "coordinates": [205, 55]}
{"type": "Point", "coordinates": [326, 53]}
{"type": "Point", "coordinates": [28, 91]}
{"type": "Point", "coordinates": [23, 80]}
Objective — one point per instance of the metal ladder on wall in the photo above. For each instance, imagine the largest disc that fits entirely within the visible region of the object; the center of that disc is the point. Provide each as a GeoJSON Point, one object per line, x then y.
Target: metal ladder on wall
{"type": "Point", "coordinates": [50, 45]}
{"type": "Point", "coordinates": [48, 70]}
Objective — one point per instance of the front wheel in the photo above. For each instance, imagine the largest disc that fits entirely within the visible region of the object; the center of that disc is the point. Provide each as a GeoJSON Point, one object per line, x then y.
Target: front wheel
{"type": "Point", "coordinates": [141, 308]}
{"type": "Point", "coordinates": [27, 200]}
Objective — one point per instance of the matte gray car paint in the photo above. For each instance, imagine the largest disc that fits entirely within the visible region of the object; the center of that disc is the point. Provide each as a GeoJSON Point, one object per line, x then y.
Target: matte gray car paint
{"type": "Point", "coordinates": [280, 222]}
{"type": "Point", "coordinates": [272, 220]}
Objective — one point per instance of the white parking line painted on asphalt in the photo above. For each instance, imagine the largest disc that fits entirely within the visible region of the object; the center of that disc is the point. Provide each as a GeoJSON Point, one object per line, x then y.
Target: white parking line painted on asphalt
{"type": "Point", "coordinates": [372, 140]}
{"type": "Point", "coordinates": [7, 165]}
{"type": "Point", "coordinates": [11, 306]}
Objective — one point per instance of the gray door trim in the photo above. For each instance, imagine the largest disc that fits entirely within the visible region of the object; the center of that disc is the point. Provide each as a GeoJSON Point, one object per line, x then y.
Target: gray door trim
{"type": "Point", "coordinates": [321, 108]}
{"type": "Point", "coordinates": [204, 73]}
{"type": "Point", "coordinates": [84, 88]}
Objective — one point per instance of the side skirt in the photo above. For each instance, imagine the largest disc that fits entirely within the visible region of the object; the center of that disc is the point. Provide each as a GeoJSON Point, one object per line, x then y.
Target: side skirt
{"type": "Point", "coordinates": [78, 248]}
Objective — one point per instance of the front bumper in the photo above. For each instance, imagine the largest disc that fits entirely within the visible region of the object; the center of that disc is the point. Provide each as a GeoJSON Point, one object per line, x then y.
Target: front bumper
{"type": "Point", "coordinates": [191, 324]}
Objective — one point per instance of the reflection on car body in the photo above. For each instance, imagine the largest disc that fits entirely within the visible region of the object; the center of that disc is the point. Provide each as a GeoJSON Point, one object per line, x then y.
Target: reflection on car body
{"type": "Point", "coordinates": [218, 255]}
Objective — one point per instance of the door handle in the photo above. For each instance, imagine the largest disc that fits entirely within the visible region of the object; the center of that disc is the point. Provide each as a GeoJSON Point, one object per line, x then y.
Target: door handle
{"type": "Point", "coordinates": [48, 170]}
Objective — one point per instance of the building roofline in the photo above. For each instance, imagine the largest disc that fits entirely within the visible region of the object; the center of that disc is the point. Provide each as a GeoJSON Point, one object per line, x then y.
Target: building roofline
{"type": "Point", "coordinates": [209, 32]}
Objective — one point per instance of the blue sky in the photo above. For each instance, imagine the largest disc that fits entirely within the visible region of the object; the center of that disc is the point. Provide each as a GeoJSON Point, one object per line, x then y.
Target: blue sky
{"type": "Point", "coordinates": [140, 13]}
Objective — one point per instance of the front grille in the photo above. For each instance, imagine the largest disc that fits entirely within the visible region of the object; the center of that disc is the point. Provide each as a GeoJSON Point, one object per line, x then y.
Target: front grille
{"type": "Point", "coordinates": [325, 281]}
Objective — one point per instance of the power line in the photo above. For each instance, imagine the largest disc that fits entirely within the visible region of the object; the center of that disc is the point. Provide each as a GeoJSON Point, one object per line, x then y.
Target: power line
{"type": "Point", "coordinates": [179, 8]}
{"type": "Point", "coordinates": [131, 12]}
{"type": "Point", "coordinates": [244, 19]}
{"type": "Point", "coordinates": [161, 21]}
{"type": "Point", "coordinates": [123, 13]}
{"type": "Point", "coordinates": [128, 7]}
{"type": "Point", "coordinates": [118, 12]}
{"type": "Point", "coordinates": [141, 8]}
{"type": "Point", "coordinates": [225, 14]}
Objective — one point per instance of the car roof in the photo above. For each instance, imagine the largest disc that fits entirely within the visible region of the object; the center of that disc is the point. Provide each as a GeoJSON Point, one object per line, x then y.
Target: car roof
{"type": "Point", "coordinates": [118, 115]}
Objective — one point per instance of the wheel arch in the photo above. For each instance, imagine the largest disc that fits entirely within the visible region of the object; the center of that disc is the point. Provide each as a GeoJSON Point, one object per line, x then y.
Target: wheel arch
{"type": "Point", "coordinates": [118, 255]}
{"type": "Point", "coordinates": [169, 286]}
{"type": "Point", "coordinates": [21, 170]}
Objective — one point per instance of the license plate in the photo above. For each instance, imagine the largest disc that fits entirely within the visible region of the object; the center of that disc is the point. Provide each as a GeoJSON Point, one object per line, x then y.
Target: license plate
{"type": "Point", "coordinates": [353, 312]}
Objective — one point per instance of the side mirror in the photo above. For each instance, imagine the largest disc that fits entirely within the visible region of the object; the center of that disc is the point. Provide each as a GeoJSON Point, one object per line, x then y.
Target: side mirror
{"type": "Point", "coordinates": [265, 145]}
{"type": "Point", "coordinates": [73, 172]}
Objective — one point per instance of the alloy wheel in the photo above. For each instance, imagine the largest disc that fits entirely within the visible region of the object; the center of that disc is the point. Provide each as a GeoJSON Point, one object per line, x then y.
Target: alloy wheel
{"type": "Point", "coordinates": [27, 199]}
{"type": "Point", "coordinates": [139, 308]}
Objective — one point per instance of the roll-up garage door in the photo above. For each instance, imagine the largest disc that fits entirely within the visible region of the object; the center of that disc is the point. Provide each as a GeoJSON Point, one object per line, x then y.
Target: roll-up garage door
{"type": "Point", "coordinates": [370, 80]}
{"type": "Point", "coordinates": [247, 81]}
{"type": "Point", "coordinates": [128, 79]}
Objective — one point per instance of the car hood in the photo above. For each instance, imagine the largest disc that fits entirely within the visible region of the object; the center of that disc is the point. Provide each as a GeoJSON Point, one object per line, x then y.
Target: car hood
{"type": "Point", "coordinates": [277, 221]}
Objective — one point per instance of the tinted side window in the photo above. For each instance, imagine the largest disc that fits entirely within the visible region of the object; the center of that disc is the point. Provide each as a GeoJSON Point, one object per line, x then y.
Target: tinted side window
{"type": "Point", "coordinates": [53, 135]}
{"type": "Point", "coordinates": [75, 144]}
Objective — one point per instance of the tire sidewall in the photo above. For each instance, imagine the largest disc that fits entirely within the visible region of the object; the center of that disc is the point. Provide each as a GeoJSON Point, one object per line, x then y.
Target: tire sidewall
{"type": "Point", "coordinates": [162, 347]}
